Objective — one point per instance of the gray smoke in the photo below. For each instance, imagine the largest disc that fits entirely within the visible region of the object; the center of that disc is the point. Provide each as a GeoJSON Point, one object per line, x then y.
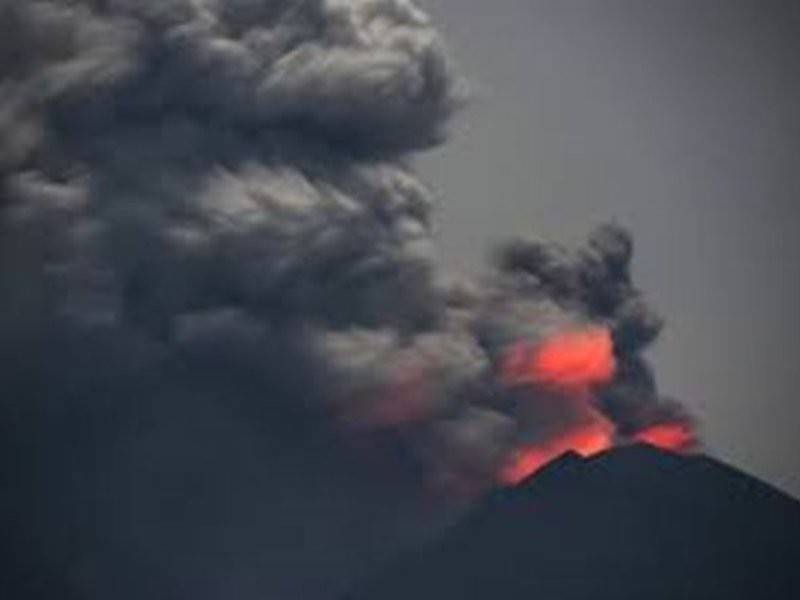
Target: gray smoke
{"type": "Point", "coordinates": [207, 207]}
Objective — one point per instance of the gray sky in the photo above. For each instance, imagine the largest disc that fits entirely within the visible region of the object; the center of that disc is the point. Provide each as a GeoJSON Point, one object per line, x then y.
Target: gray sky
{"type": "Point", "coordinates": [681, 120]}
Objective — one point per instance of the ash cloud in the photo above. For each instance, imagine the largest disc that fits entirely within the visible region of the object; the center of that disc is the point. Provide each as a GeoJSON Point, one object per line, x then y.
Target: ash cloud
{"type": "Point", "coordinates": [208, 207]}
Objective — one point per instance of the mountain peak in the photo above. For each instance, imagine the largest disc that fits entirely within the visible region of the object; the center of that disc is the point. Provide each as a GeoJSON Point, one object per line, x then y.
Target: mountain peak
{"type": "Point", "coordinates": [631, 522]}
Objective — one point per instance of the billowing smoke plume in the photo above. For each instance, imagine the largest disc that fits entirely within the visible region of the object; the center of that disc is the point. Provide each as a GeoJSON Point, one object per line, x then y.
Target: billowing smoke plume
{"type": "Point", "coordinates": [220, 190]}
{"type": "Point", "coordinates": [206, 209]}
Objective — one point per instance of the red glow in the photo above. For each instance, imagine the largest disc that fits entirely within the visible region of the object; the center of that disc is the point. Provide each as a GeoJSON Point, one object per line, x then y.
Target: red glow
{"type": "Point", "coordinates": [572, 361]}
{"type": "Point", "coordinates": [668, 436]}
{"type": "Point", "coordinates": [403, 399]}
{"type": "Point", "coordinates": [586, 441]}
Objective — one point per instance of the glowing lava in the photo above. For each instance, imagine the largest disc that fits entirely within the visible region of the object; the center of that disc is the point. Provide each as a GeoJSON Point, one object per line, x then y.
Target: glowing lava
{"type": "Point", "coordinates": [586, 440]}
{"type": "Point", "coordinates": [570, 363]}
{"type": "Point", "coordinates": [573, 361]}
{"type": "Point", "coordinates": [668, 436]}
{"type": "Point", "coordinates": [573, 364]}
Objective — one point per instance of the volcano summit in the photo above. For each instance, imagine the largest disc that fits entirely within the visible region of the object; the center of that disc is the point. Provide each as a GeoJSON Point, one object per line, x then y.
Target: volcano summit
{"type": "Point", "coordinates": [633, 522]}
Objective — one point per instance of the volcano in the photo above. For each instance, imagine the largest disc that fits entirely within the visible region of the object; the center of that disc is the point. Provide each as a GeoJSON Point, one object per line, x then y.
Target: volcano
{"type": "Point", "coordinates": [633, 522]}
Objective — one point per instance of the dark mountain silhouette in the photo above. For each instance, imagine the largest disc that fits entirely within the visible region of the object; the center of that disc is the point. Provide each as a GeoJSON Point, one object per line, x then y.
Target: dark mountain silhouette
{"type": "Point", "coordinates": [634, 522]}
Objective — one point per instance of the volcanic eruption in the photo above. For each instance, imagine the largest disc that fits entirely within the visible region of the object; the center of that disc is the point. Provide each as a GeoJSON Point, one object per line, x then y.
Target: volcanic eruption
{"type": "Point", "coordinates": [211, 232]}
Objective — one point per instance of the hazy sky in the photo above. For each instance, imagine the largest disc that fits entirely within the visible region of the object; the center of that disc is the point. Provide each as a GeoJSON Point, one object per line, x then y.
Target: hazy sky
{"type": "Point", "coordinates": [682, 121]}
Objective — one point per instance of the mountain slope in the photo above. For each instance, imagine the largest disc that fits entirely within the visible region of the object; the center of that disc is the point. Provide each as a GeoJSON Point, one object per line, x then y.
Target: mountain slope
{"type": "Point", "coordinates": [634, 522]}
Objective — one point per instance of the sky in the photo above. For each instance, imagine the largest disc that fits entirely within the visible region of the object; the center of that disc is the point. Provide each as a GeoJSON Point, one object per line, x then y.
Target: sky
{"type": "Point", "coordinates": [679, 120]}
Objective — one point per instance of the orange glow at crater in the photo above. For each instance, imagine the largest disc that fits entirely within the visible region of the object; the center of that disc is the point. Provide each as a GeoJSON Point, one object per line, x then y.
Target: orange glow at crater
{"type": "Point", "coordinates": [572, 361]}
{"type": "Point", "coordinates": [668, 436]}
{"type": "Point", "coordinates": [586, 440]}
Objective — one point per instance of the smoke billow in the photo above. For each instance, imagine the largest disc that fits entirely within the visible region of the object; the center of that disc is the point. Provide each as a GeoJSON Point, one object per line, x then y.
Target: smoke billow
{"type": "Point", "coordinates": [203, 193]}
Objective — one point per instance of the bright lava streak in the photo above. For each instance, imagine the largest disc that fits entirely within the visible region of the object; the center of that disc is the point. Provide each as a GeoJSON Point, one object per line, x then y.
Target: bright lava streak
{"type": "Point", "coordinates": [668, 436]}
{"type": "Point", "coordinates": [573, 361]}
{"type": "Point", "coordinates": [586, 440]}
